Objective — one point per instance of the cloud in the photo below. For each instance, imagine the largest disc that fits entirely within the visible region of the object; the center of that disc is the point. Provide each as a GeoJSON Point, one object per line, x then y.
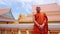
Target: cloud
{"type": "Point", "coordinates": [2, 2]}
{"type": "Point", "coordinates": [58, 2]}
{"type": "Point", "coordinates": [37, 1]}
{"type": "Point", "coordinates": [24, 0]}
{"type": "Point", "coordinates": [5, 2]}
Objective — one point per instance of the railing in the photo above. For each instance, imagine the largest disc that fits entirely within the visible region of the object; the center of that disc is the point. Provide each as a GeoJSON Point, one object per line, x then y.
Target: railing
{"type": "Point", "coordinates": [25, 28]}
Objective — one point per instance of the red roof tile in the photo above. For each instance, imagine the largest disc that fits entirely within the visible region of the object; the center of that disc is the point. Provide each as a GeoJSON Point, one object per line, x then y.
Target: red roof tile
{"type": "Point", "coordinates": [48, 7]}
{"type": "Point", "coordinates": [4, 10]}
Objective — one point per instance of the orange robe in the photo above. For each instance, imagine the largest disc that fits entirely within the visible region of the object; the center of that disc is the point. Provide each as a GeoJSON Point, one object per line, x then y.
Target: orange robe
{"type": "Point", "coordinates": [41, 18]}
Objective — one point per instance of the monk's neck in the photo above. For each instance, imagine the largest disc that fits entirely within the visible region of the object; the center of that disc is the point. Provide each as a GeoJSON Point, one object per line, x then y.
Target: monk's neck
{"type": "Point", "coordinates": [39, 13]}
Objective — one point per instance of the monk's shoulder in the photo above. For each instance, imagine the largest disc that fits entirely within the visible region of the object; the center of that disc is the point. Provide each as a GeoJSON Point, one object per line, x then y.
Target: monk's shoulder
{"type": "Point", "coordinates": [35, 14]}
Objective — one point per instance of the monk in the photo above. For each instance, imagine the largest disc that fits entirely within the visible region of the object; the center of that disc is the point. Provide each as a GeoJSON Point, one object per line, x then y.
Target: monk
{"type": "Point", "coordinates": [40, 22]}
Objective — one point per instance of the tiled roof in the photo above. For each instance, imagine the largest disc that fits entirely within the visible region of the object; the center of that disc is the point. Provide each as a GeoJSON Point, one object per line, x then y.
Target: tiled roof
{"type": "Point", "coordinates": [3, 18]}
{"type": "Point", "coordinates": [48, 7]}
{"type": "Point", "coordinates": [4, 10]}
{"type": "Point", "coordinates": [26, 19]}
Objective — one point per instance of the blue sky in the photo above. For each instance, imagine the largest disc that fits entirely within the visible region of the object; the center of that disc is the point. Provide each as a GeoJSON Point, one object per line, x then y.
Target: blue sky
{"type": "Point", "coordinates": [23, 6]}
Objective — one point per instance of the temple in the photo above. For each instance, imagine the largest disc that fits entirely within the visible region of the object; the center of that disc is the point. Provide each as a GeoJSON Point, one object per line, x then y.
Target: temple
{"type": "Point", "coordinates": [25, 23]}
{"type": "Point", "coordinates": [6, 16]}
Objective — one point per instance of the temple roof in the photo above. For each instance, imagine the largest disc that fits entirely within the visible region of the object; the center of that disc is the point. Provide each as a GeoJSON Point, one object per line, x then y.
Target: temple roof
{"type": "Point", "coordinates": [6, 15]}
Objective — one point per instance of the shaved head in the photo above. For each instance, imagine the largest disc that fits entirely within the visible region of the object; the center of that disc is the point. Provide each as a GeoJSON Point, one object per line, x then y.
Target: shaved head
{"type": "Point", "coordinates": [38, 9]}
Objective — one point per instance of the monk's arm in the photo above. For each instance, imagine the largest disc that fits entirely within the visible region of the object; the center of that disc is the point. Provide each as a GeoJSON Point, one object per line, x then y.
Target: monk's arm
{"type": "Point", "coordinates": [35, 21]}
{"type": "Point", "coordinates": [45, 20]}
{"type": "Point", "coordinates": [43, 24]}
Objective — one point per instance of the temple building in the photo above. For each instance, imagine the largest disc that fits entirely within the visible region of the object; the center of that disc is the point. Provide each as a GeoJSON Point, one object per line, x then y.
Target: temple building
{"type": "Point", "coordinates": [25, 19]}
{"type": "Point", "coordinates": [52, 10]}
{"type": "Point", "coordinates": [6, 16]}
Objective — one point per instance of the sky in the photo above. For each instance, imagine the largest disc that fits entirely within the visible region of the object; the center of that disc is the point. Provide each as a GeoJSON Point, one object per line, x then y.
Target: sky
{"type": "Point", "coordinates": [23, 6]}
